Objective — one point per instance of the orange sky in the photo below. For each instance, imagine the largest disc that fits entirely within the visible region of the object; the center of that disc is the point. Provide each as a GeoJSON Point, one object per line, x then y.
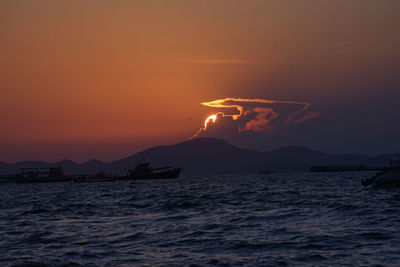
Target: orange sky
{"type": "Point", "coordinates": [125, 75]}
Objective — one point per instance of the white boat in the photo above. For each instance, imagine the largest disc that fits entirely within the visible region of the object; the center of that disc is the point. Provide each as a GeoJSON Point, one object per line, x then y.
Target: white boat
{"type": "Point", "coordinates": [388, 177]}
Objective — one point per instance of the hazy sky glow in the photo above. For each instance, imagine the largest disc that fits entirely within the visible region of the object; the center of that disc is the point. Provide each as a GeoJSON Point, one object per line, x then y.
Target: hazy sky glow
{"type": "Point", "coordinates": [104, 79]}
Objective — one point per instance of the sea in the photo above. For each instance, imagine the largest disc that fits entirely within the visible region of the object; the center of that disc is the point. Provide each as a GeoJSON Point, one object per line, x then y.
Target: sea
{"type": "Point", "coordinates": [293, 219]}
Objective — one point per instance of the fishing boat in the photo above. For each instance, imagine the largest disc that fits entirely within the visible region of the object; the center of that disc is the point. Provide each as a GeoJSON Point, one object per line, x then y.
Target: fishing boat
{"type": "Point", "coordinates": [143, 171]}
{"type": "Point", "coordinates": [388, 177]}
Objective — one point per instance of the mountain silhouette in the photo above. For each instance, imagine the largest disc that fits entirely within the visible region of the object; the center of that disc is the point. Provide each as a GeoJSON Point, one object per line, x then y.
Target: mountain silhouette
{"type": "Point", "coordinates": [201, 155]}
{"type": "Point", "coordinates": [211, 155]}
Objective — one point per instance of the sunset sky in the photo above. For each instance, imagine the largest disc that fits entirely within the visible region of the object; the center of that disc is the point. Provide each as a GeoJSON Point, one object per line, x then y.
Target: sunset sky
{"type": "Point", "coordinates": [106, 79]}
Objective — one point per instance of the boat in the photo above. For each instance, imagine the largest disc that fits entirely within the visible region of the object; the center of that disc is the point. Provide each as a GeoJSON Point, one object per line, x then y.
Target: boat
{"type": "Point", "coordinates": [344, 168]}
{"type": "Point", "coordinates": [388, 177]}
{"type": "Point", "coordinates": [143, 171]}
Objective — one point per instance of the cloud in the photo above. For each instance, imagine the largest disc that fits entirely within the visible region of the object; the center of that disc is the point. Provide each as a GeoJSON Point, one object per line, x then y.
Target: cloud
{"type": "Point", "coordinates": [257, 115]}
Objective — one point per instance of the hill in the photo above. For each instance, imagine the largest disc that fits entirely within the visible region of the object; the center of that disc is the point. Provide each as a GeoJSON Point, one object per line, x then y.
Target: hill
{"type": "Point", "coordinates": [210, 155]}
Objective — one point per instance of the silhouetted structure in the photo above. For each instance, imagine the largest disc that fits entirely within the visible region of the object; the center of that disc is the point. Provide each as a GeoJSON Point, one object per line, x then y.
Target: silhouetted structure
{"type": "Point", "coordinates": [143, 171]}
{"type": "Point", "coordinates": [343, 168]}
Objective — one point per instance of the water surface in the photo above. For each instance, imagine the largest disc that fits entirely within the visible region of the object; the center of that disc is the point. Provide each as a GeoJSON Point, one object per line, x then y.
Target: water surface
{"type": "Point", "coordinates": [226, 220]}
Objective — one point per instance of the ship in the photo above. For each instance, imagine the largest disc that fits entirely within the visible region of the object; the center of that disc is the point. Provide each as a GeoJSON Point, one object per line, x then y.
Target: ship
{"type": "Point", "coordinates": [143, 171]}
{"type": "Point", "coordinates": [344, 168]}
{"type": "Point", "coordinates": [388, 177]}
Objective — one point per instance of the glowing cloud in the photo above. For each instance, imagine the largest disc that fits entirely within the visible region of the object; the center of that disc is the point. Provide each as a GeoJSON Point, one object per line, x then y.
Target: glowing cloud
{"type": "Point", "coordinates": [212, 118]}
{"type": "Point", "coordinates": [259, 114]}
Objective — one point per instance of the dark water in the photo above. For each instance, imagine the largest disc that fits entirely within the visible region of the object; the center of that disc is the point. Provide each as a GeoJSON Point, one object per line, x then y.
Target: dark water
{"type": "Point", "coordinates": [258, 220]}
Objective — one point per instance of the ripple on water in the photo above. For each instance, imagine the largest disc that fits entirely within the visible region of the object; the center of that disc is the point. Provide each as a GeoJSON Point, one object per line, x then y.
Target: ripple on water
{"type": "Point", "coordinates": [275, 220]}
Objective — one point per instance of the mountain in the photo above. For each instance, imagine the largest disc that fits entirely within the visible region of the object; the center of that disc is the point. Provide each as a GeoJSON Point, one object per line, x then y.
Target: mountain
{"type": "Point", "coordinates": [293, 158]}
{"type": "Point", "coordinates": [210, 155]}
{"type": "Point", "coordinates": [201, 155]}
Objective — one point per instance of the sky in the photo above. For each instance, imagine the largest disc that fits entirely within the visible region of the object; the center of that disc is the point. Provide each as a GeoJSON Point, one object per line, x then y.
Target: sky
{"type": "Point", "coordinates": [106, 79]}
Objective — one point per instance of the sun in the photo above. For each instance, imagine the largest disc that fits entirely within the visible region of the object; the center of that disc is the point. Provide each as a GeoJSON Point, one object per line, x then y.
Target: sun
{"type": "Point", "coordinates": [212, 118]}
